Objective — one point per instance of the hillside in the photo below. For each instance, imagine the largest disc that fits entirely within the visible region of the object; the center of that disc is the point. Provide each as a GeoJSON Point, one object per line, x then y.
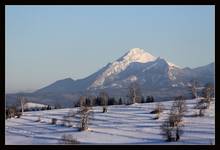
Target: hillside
{"type": "Point", "coordinates": [122, 124]}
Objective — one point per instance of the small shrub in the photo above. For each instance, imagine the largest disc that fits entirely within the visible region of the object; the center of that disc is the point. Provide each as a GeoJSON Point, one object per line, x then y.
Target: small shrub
{"type": "Point", "coordinates": [195, 114]}
{"type": "Point", "coordinates": [201, 112]}
{"type": "Point", "coordinates": [53, 121]}
{"type": "Point", "coordinates": [172, 127]}
{"type": "Point", "coordinates": [158, 109]}
{"type": "Point", "coordinates": [157, 116]}
{"type": "Point", "coordinates": [68, 139]}
{"type": "Point", "coordinates": [38, 119]}
{"type": "Point", "coordinates": [155, 111]}
{"type": "Point", "coordinates": [167, 131]}
{"type": "Point", "coordinates": [104, 109]}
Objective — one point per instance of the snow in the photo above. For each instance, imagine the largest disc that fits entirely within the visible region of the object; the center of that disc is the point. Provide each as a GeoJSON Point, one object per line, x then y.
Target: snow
{"type": "Point", "coordinates": [172, 65]}
{"type": "Point", "coordinates": [29, 105]}
{"type": "Point", "coordinates": [138, 55]}
{"type": "Point", "coordinates": [134, 55]}
{"type": "Point", "coordinates": [122, 124]}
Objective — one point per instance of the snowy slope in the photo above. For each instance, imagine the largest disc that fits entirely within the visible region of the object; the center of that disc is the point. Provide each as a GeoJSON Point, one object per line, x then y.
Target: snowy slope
{"type": "Point", "coordinates": [135, 55]}
{"type": "Point", "coordinates": [122, 124]}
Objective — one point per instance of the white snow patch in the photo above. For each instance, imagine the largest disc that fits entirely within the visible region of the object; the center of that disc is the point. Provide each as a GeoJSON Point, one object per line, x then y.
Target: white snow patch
{"type": "Point", "coordinates": [122, 124]}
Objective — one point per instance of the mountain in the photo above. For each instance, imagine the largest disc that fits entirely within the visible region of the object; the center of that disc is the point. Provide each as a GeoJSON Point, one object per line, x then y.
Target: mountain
{"type": "Point", "coordinates": [155, 75]}
{"type": "Point", "coordinates": [64, 85]}
{"type": "Point", "coordinates": [136, 64]}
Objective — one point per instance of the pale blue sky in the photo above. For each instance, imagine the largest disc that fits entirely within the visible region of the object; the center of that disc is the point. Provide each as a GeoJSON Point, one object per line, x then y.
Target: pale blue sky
{"type": "Point", "coordinates": [48, 43]}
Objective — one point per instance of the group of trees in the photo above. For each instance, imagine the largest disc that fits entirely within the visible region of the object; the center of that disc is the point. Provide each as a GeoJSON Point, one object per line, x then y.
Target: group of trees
{"type": "Point", "coordinates": [205, 97]}
{"type": "Point", "coordinates": [195, 92]}
{"type": "Point", "coordinates": [135, 95]}
{"type": "Point", "coordinates": [204, 102]}
{"type": "Point", "coordinates": [18, 108]}
{"type": "Point", "coordinates": [15, 111]}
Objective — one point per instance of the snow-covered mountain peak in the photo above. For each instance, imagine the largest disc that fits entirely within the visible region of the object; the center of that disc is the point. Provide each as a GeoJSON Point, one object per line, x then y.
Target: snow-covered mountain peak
{"type": "Point", "coordinates": [136, 50]}
{"type": "Point", "coordinates": [133, 55]}
{"type": "Point", "coordinates": [137, 55]}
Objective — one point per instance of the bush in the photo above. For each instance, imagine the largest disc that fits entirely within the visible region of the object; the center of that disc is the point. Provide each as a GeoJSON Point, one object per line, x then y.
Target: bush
{"type": "Point", "coordinates": [158, 109]}
{"type": "Point", "coordinates": [179, 106]}
{"type": "Point", "coordinates": [202, 105]}
{"type": "Point", "coordinates": [53, 121]}
{"type": "Point", "coordinates": [201, 112]}
{"type": "Point", "coordinates": [38, 119]}
{"type": "Point", "coordinates": [18, 114]}
{"type": "Point", "coordinates": [104, 109]}
{"type": "Point", "coordinates": [171, 128]}
{"type": "Point", "coordinates": [167, 131]}
{"type": "Point", "coordinates": [11, 112]}
{"type": "Point", "coordinates": [157, 117]}
{"type": "Point", "coordinates": [84, 112]}
{"type": "Point", "coordinates": [68, 139]}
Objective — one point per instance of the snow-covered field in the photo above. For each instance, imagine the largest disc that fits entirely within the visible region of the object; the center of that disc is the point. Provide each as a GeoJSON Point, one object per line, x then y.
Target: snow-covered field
{"type": "Point", "coordinates": [122, 124]}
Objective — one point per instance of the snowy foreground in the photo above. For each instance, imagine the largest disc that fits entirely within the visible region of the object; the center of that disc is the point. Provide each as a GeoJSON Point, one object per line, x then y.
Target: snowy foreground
{"type": "Point", "coordinates": [122, 124]}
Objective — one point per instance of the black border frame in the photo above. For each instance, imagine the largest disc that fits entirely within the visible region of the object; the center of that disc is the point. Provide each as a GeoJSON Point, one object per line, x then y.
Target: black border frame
{"type": "Point", "coordinates": [80, 2]}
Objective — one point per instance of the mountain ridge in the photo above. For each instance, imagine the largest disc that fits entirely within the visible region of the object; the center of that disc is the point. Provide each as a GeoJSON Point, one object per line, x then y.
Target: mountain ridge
{"type": "Point", "coordinates": [144, 65]}
{"type": "Point", "coordinates": [155, 75]}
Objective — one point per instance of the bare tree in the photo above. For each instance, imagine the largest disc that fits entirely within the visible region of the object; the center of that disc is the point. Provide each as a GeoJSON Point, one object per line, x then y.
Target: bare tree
{"type": "Point", "coordinates": [92, 99]}
{"type": "Point", "coordinates": [134, 93]}
{"type": "Point", "coordinates": [84, 117]}
{"type": "Point", "coordinates": [167, 131]}
{"type": "Point", "coordinates": [157, 110]}
{"type": "Point", "coordinates": [204, 103]}
{"type": "Point", "coordinates": [193, 87]}
{"type": "Point", "coordinates": [179, 106]}
{"type": "Point", "coordinates": [23, 101]}
{"type": "Point", "coordinates": [207, 93]}
{"type": "Point", "coordinates": [172, 127]}
{"type": "Point", "coordinates": [85, 111]}
{"type": "Point", "coordinates": [11, 112]}
{"type": "Point", "coordinates": [104, 100]}
{"type": "Point", "coordinates": [82, 101]}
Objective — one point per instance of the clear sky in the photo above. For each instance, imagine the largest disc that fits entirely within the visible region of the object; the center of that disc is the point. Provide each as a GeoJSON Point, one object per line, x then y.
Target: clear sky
{"type": "Point", "coordinates": [49, 43]}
